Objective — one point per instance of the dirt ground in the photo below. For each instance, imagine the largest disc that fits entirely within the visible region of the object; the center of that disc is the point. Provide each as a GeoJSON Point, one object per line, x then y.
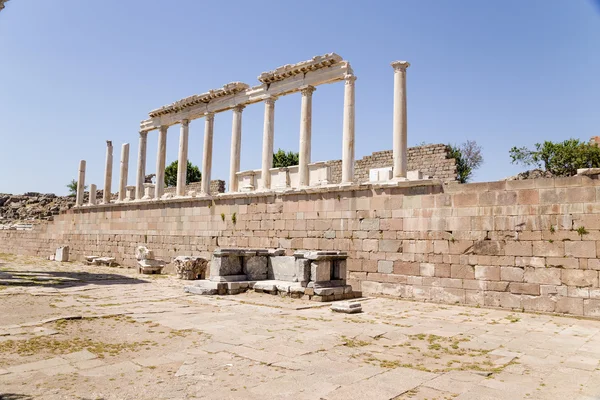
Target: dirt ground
{"type": "Point", "coordinates": [70, 331]}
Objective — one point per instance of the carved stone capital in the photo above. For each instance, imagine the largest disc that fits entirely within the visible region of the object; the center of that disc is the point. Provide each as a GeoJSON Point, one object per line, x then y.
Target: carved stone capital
{"type": "Point", "coordinates": [239, 108]}
{"type": "Point", "coordinates": [209, 116]}
{"type": "Point", "coordinates": [307, 90]}
{"type": "Point", "coordinates": [185, 122]}
{"type": "Point", "coordinates": [108, 143]}
{"type": "Point", "coordinates": [270, 100]}
{"type": "Point", "coordinates": [143, 134]}
{"type": "Point", "coordinates": [350, 79]}
{"type": "Point", "coordinates": [163, 128]}
{"type": "Point", "coordinates": [400, 65]}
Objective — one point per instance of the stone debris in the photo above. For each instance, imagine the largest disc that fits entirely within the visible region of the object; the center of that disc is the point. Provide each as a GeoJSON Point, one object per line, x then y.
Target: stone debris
{"type": "Point", "coordinates": [346, 307]}
{"type": "Point", "coordinates": [148, 264]}
{"type": "Point", "coordinates": [190, 268]}
{"type": "Point", "coordinates": [108, 261]}
{"type": "Point", "coordinates": [62, 254]}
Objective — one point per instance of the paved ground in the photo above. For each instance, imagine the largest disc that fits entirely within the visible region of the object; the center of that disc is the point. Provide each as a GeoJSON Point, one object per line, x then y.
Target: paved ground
{"type": "Point", "coordinates": [69, 331]}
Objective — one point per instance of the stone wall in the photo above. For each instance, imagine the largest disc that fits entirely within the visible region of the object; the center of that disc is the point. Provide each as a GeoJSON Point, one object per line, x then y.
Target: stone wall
{"type": "Point", "coordinates": [216, 186]}
{"type": "Point", "coordinates": [528, 245]}
{"type": "Point", "coordinates": [431, 159]}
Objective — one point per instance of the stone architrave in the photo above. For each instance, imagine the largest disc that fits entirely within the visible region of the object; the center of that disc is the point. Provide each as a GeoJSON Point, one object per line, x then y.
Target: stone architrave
{"type": "Point", "coordinates": [348, 130]}
{"type": "Point", "coordinates": [236, 147]}
{"type": "Point", "coordinates": [141, 166]}
{"type": "Point", "coordinates": [400, 120]}
{"type": "Point", "coordinates": [207, 153]}
{"type": "Point", "coordinates": [182, 158]}
{"type": "Point", "coordinates": [108, 173]}
{"type": "Point", "coordinates": [267, 148]}
{"type": "Point", "coordinates": [124, 170]}
{"type": "Point", "coordinates": [305, 134]}
{"type": "Point", "coordinates": [80, 184]}
{"type": "Point", "coordinates": [161, 156]}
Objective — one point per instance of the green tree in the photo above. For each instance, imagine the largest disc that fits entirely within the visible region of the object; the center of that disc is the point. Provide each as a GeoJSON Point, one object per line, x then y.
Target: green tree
{"type": "Point", "coordinates": [561, 158]}
{"type": "Point", "coordinates": [282, 159]}
{"type": "Point", "coordinates": [72, 186]}
{"type": "Point", "coordinates": [468, 158]}
{"type": "Point", "coordinates": [193, 174]}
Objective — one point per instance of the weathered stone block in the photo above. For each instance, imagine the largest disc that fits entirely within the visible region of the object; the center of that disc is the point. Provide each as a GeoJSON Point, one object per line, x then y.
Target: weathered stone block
{"type": "Point", "coordinates": [320, 270]}
{"type": "Point", "coordinates": [547, 276]}
{"type": "Point", "coordinates": [226, 265]}
{"type": "Point", "coordinates": [347, 307]}
{"type": "Point", "coordinates": [255, 267]}
{"type": "Point", "coordinates": [524, 288]}
{"type": "Point", "coordinates": [488, 247]}
{"type": "Point", "coordinates": [512, 274]}
{"type": "Point", "coordinates": [62, 254]}
{"type": "Point", "coordinates": [569, 305]}
{"type": "Point", "coordinates": [487, 273]}
{"type": "Point", "coordinates": [518, 248]}
{"type": "Point", "coordinates": [591, 308]}
{"type": "Point", "coordinates": [385, 267]}
{"type": "Point", "coordinates": [462, 271]}
{"type": "Point", "coordinates": [391, 246]}
{"type": "Point", "coordinates": [585, 249]}
{"type": "Point", "coordinates": [447, 295]}
{"type": "Point", "coordinates": [427, 269]}
{"type": "Point", "coordinates": [547, 249]}
{"type": "Point", "coordinates": [582, 278]}
{"type": "Point", "coordinates": [538, 303]}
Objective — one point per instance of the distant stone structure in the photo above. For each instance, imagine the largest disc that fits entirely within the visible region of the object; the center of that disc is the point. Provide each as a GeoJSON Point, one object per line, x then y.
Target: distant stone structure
{"type": "Point", "coordinates": [2, 2]}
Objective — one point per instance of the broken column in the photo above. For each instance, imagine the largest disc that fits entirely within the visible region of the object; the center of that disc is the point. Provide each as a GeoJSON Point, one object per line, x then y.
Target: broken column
{"type": "Point", "coordinates": [93, 189]}
{"type": "Point", "coordinates": [124, 170]}
{"type": "Point", "coordinates": [80, 184]}
{"type": "Point", "coordinates": [108, 173]}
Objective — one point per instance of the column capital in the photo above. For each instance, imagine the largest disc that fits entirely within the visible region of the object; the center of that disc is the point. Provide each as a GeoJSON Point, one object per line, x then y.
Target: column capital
{"type": "Point", "coordinates": [400, 65]}
{"type": "Point", "coordinates": [185, 122]}
{"type": "Point", "coordinates": [163, 128]}
{"type": "Point", "coordinates": [108, 143]}
{"type": "Point", "coordinates": [307, 90]}
{"type": "Point", "coordinates": [270, 100]}
{"type": "Point", "coordinates": [239, 108]}
{"type": "Point", "coordinates": [350, 79]}
{"type": "Point", "coordinates": [209, 116]}
{"type": "Point", "coordinates": [144, 134]}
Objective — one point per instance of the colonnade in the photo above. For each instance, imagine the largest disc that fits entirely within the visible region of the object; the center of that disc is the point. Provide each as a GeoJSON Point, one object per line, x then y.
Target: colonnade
{"type": "Point", "coordinates": [348, 148]}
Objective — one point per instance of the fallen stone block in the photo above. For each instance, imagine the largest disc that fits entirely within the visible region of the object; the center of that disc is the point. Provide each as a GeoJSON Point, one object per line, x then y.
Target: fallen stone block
{"type": "Point", "coordinates": [62, 254]}
{"type": "Point", "coordinates": [346, 307]}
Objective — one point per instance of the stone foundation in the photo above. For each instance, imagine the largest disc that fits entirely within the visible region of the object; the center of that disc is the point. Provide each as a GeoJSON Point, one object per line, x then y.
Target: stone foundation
{"type": "Point", "coordinates": [529, 245]}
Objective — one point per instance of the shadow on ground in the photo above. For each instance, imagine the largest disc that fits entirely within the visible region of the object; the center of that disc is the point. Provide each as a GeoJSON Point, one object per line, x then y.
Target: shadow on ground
{"type": "Point", "coordinates": [15, 396]}
{"type": "Point", "coordinates": [62, 279]}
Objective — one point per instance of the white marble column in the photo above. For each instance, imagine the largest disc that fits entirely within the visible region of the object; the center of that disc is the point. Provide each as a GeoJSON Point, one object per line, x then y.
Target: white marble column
{"type": "Point", "coordinates": [108, 173]}
{"type": "Point", "coordinates": [161, 156]}
{"type": "Point", "coordinates": [80, 184]}
{"type": "Point", "coordinates": [124, 171]}
{"type": "Point", "coordinates": [267, 149]}
{"type": "Point", "coordinates": [183, 157]}
{"type": "Point", "coordinates": [93, 190]}
{"type": "Point", "coordinates": [141, 166]}
{"type": "Point", "coordinates": [348, 131]}
{"type": "Point", "coordinates": [305, 134]}
{"type": "Point", "coordinates": [209, 125]}
{"type": "Point", "coordinates": [236, 147]}
{"type": "Point", "coordinates": [400, 123]}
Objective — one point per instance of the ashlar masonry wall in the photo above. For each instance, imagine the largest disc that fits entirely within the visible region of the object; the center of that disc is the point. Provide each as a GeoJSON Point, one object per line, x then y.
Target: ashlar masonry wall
{"type": "Point", "coordinates": [527, 245]}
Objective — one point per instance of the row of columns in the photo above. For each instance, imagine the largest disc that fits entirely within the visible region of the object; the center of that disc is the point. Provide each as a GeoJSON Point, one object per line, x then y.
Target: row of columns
{"type": "Point", "coordinates": [348, 148]}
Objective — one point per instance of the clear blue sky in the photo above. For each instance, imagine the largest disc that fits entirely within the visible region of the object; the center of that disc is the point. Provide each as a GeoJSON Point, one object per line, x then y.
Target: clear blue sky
{"type": "Point", "coordinates": [74, 73]}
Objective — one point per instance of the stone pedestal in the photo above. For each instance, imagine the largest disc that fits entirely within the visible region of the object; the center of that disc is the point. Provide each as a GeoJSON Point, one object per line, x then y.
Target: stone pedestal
{"type": "Point", "coordinates": [148, 191]}
{"type": "Point", "coordinates": [62, 254]}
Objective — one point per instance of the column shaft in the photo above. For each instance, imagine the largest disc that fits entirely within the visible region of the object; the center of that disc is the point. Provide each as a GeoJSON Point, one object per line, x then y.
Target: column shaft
{"type": "Point", "coordinates": [348, 131]}
{"type": "Point", "coordinates": [124, 171]}
{"type": "Point", "coordinates": [305, 135]}
{"type": "Point", "coordinates": [400, 120]}
{"type": "Point", "coordinates": [236, 147]}
{"type": "Point", "coordinates": [93, 190]}
{"type": "Point", "coordinates": [141, 166]}
{"type": "Point", "coordinates": [209, 125]}
{"type": "Point", "coordinates": [108, 173]}
{"type": "Point", "coordinates": [80, 184]}
{"type": "Point", "coordinates": [267, 149]}
{"type": "Point", "coordinates": [161, 156]}
{"type": "Point", "coordinates": [183, 157]}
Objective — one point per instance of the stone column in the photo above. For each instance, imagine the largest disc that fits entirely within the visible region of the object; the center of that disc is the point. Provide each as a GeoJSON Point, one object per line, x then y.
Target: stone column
{"type": "Point", "coordinates": [93, 190]}
{"type": "Point", "coordinates": [400, 126]}
{"type": "Point", "coordinates": [348, 131]}
{"type": "Point", "coordinates": [236, 147]}
{"type": "Point", "coordinates": [209, 125]}
{"type": "Point", "coordinates": [124, 171]}
{"type": "Point", "coordinates": [267, 149]}
{"type": "Point", "coordinates": [161, 156]}
{"type": "Point", "coordinates": [141, 166]}
{"type": "Point", "coordinates": [80, 184]}
{"type": "Point", "coordinates": [305, 134]}
{"type": "Point", "coordinates": [108, 173]}
{"type": "Point", "coordinates": [182, 159]}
